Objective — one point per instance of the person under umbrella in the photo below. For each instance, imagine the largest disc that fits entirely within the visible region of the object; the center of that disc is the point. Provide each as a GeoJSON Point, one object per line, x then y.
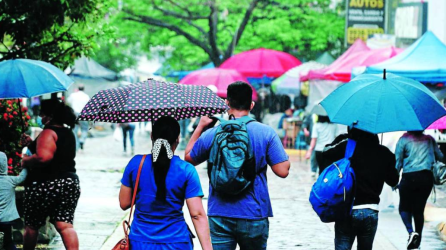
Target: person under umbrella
{"type": "Point", "coordinates": [415, 154]}
{"type": "Point", "coordinates": [166, 182]}
{"type": "Point", "coordinates": [52, 187]}
{"type": "Point", "coordinates": [376, 104]}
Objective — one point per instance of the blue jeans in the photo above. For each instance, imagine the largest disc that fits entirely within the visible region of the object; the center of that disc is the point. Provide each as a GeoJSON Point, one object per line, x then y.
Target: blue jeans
{"type": "Point", "coordinates": [362, 225]}
{"type": "Point", "coordinates": [226, 233]}
{"type": "Point", "coordinates": [130, 128]}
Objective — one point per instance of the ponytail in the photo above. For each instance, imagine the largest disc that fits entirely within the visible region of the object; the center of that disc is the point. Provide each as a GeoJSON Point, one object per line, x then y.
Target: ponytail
{"type": "Point", "coordinates": [160, 169]}
{"type": "Point", "coordinates": [165, 133]}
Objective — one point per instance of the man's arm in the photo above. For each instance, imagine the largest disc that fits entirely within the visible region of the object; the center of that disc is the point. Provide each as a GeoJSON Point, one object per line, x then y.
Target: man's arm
{"type": "Point", "coordinates": [282, 169]}
{"type": "Point", "coordinates": [204, 122]}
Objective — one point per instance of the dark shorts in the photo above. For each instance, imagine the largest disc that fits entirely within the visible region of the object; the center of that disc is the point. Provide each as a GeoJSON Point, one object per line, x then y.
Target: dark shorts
{"type": "Point", "coordinates": [56, 199]}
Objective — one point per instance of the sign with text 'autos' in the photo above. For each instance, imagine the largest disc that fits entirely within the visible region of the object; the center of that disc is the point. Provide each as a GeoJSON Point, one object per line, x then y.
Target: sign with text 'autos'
{"type": "Point", "coordinates": [364, 18]}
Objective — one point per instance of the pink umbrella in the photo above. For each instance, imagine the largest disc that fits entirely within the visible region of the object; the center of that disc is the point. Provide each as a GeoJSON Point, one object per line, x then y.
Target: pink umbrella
{"type": "Point", "coordinates": [261, 62]}
{"type": "Point", "coordinates": [439, 124]}
{"type": "Point", "coordinates": [216, 78]}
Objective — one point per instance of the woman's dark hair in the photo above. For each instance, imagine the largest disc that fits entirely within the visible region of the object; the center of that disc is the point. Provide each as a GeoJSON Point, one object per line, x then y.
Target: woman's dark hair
{"type": "Point", "coordinates": [60, 113]}
{"type": "Point", "coordinates": [164, 128]}
{"type": "Point", "coordinates": [323, 119]}
{"type": "Point", "coordinates": [240, 95]}
{"type": "Point", "coordinates": [416, 132]}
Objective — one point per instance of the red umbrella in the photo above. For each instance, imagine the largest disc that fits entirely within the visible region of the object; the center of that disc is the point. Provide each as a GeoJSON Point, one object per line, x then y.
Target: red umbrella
{"type": "Point", "coordinates": [261, 62]}
{"type": "Point", "coordinates": [216, 78]}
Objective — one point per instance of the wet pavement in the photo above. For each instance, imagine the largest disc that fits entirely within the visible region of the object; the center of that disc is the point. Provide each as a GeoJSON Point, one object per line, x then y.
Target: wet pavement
{"type": "Point", "coordinates": [294, 225]}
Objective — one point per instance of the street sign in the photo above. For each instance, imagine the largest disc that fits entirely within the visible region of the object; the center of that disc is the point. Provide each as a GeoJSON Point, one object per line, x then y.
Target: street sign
{"type": "Point", "coordinates": [364, 18]}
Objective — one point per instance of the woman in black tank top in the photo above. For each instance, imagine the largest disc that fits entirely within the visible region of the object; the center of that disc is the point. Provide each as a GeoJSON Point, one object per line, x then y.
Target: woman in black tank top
{"type": "Point", "coordinates": [52, 187]}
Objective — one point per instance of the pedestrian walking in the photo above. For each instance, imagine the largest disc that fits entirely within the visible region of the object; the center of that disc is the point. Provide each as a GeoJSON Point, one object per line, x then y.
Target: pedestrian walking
{"type": "Point", "coordinates": [165, 182]}
{"type": "Point", "coordinates": [323, 133]}
{"type": "Point", "coordinates": [128, 129]}
{"type": "Point", "coordinates": [77, 101]}
{"type": "Point", "coordinates": [7, 201]}
{"type": "Point", "coordinates": [307, 126]}
{"type": "Point", "coordinates": [373, 165]}
{"type": "Point", "coordinates": [241, 218]}
{"type": "Point", "coordinates": [415, 154]}
{"type": "Point", "coordinates": [52, 187]}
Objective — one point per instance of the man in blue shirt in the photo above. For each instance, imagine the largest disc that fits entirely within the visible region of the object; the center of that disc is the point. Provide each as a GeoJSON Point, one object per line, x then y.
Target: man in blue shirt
{"type": "Point", "coordinates": [241, 219]}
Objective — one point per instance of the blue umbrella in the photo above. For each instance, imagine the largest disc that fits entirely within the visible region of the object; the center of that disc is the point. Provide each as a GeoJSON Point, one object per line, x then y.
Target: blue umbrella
{"type": "Point", "coordinates": [27, 78]}
{"type": "Point", "coordinates": [380, 104]}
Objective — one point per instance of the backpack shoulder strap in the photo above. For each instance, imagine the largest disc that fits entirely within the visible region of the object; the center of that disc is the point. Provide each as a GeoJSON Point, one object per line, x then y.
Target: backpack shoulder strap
{"type": "Point", "coordinates": [246, 119]}
{"type": "Point", "coordinates": [350, 149]}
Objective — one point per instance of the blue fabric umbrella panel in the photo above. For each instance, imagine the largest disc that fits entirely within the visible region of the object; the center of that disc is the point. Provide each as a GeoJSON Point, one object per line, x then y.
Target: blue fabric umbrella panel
{"type": "Point", "coordinates": [27, 78]}
{"type": "Point", "coordinates": [380, 104]}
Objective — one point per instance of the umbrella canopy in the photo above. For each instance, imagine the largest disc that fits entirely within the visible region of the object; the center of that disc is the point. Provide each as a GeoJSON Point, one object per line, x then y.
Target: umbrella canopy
{"type": "Point", "coordinates": [439, 124]}
{"type": "Point", "coordinates": [261, 62]}
{"type": "Point", "coordinates": [423, 61]}
{"type": "Point", "coordinates": [380, 104]}
{"type": "Point", "coordinates": [27, 78]}
{"type": "Point", "coordinates": [288, 83]}
{"type": "Point", "coordinates": [318, 110]}
{"type": "Point", "coordinates": [220, 78]}
{"type": "Point", "coordinates": [150, 100]}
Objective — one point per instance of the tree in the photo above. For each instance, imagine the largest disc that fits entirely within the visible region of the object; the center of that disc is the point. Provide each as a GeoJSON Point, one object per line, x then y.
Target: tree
{"type": "Point", "coordinates": [203, 30]}
{"type": "Point", "coordinates": [56, 31]}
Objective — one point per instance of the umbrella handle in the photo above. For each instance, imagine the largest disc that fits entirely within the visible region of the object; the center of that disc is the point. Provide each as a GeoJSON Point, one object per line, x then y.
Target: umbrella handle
{"type": "Point", "coordinates": [20, 114]}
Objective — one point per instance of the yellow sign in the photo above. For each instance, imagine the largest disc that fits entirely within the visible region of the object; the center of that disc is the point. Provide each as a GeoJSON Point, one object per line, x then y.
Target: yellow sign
{"type": "Point", "coordinates": [362, 33]}
{"type": "Point", "coordinates": [378, 4]}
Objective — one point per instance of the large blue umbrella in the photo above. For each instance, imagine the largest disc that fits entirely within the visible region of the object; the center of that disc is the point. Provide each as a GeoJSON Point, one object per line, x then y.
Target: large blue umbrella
{"type": "Point", "coordinates": [378, 104]}
{"type": "Point", "coordinates": [27, 78]}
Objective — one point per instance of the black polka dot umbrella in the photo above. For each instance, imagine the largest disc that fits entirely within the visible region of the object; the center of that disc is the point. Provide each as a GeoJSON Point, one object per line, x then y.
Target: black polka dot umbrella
{"type": "Point", "coordinates": [150, 100]}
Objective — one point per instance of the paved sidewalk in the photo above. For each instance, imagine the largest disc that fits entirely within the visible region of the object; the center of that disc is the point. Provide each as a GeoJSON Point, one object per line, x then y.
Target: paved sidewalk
{"type": "Point", "coordinates": [294, 225]}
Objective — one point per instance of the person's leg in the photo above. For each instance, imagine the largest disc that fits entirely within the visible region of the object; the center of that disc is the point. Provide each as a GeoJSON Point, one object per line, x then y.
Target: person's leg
{"type": "Point", "coordinates": [365, 225]}
{"type": "Point", "coordinates": [425, 183]}
{"type": "Point", "coordinates": [320, 161]}
{"type": "Point", "coordinates": [406, 200]}
{"type": "Point", "coordinates": [124, 138]}
{"type": "Point", "coordinates": [132, 140]}
{"type": "Point", "coordinates": [222, 233]}
{"type": "Point", "coordinates": [8, 244]}
{"type": "Point", "coordinates": [38, 198]}
{"type": "Point", "coordinates": [313, 162]}
{"type": "Point", "coordinates": [344, 234]}
{"type": "Point", "coordinates": [76, 132]}
{"type": "Point", "coordinates": [68, 234]}
{"type": "Point", "coordinates": [63, 214]}
{"type": "Point", "coordinates": [84, 133]}
{"type": "Point", "coordinates": [30, 238]}
{"type": "Point", "coordinates": [252, 234]}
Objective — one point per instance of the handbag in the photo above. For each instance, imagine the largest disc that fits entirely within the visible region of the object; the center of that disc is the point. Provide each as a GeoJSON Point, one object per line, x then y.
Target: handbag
{"type": "Point", "coordinates": [124, 244]}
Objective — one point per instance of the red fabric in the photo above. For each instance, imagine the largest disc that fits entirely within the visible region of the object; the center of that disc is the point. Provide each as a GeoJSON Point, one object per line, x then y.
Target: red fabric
{"type": "Point", "coordinates": [356, 56]}
{"type": "Point", "coordinates": [261, 62]}
{"type": "Point", "coordinates": [220, 78]}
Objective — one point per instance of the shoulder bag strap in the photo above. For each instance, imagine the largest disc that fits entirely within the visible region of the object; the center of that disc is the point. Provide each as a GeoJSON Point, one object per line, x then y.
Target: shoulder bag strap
{"type": "Point", "coordinates": [350, 149]}
{"type": "Point", "coordinates": [135, 190]}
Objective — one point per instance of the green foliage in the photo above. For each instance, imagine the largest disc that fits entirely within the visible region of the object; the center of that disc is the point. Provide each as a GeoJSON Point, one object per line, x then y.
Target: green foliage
{"type": "Point", "coordinates": [56, 31]}
{"type": "Point", "coordinates": [194, 32]}
{"type": "Point", "coordinates": [11, 132]}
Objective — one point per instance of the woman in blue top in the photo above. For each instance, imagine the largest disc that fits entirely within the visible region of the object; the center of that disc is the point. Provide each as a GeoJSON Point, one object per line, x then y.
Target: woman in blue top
{"type": "Point", "coordinates": [165, 182]}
